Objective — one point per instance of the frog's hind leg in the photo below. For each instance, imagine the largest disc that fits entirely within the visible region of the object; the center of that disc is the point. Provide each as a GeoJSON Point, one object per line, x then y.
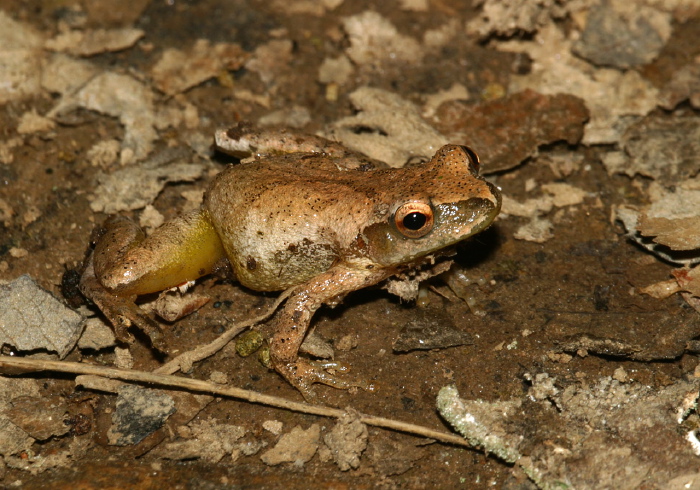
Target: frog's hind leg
{"type": "Point", "coordinates": [243, 141]}
{"type": "Point", "coordinates": [181, 250]}
{"type": "Point", "coordinates": [121, 311]}
{"type": "Point", "coordinates": [126, 263]}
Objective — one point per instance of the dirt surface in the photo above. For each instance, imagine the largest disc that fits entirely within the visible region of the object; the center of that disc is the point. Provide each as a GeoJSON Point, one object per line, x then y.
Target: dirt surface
{"type": "Point", "coordinates": [586, 129]}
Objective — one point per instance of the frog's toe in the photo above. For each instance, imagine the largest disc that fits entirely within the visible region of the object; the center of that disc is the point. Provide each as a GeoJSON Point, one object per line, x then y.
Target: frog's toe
{"type": "Point", "coordinates": [123, 316]}
{"type": "Point", "coordinates": [332, 366]}
{"type": "Point", "coordinates": [121, 331]}
{"type": "Point", "coordinates": [151, 329]}
{"type": "Point", "coordinates": [303, 373]}
{"type": "Point", "coordinates": [333, 373]}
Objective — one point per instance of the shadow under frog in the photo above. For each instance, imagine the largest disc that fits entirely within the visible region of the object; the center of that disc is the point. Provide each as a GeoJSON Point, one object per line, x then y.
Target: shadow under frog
{"type": "Point", "coordinates": [304, 213]}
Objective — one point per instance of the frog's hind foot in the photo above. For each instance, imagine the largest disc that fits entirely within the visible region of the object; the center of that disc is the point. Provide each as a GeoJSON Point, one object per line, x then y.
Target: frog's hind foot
{"type": "Point", "coordinates": [121, 312]}
{"type": "Point", "coordinates": [123, 315]}
{"type": "Point", "coordinates": [303, 373]}
{"type": "Point", "coordinates": [126, 316]}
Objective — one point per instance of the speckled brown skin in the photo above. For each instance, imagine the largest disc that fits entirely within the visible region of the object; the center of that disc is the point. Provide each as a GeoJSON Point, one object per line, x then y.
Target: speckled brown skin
{"type": "Point", "coordinates": [320, 220]}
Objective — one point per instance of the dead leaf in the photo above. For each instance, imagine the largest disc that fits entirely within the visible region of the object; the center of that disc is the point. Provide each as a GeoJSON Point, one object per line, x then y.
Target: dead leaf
{"type": "Point", "coordinates": [507, 131]}
{"type": "Point", "coordinates": [134, 187]}
{"type": "Point", "coordinates": [33, 319]}
{"type": "Point", "coordinates": [678, 233]}
{"type": "Point", "coordinates": [177, 71]}
{"type": "Point", "coordinates": [94, 41]}
{"type": "Point", "coordinates": [387, 127]}
{"type": "Point", "coordinates": [688, 279]}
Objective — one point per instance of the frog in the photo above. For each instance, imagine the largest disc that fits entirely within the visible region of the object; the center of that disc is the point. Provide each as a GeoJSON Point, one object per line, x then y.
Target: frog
{"type": "Point", "coordinates": [298, 213]}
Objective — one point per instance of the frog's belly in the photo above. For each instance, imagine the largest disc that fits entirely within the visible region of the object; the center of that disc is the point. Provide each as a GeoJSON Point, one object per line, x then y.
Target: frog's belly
{"type": "Point", "coordinates": [271, 269]}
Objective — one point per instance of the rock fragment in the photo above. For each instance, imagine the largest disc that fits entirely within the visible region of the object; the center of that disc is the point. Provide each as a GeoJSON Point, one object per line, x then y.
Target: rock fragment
{"type": "Point", "coordinates": [32, 319]}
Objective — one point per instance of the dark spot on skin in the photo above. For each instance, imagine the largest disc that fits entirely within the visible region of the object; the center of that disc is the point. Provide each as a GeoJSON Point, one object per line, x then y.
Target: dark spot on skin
{"type": "Point", "coordinates": [251, 264]}
{"type": "Point", "coordinates": [201, 272]}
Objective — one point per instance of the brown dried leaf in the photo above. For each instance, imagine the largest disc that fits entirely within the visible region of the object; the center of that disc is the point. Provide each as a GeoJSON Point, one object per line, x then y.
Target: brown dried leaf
{"type": "Point", "coordinates": [120, 96]}
{"type": "Point", "coordinates": [91, 42]}
{"type": "Point", "coordinates": [610, 95]}
{"type": "Point", "coordinates": [505, 132]}
{"type": "Point", "coordinates": [688, 279]}
{"type": "Point", "coordinates": [40, 417]}
{"type": "Point", "coordinates": [178, 71]}
{"type": "Point", "coordinates": [662, 289]}
{"type": "Point", "coordinates": [677, 233]}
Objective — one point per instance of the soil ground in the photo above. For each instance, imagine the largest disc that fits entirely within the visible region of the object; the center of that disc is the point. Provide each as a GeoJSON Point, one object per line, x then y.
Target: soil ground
{"type": "Point", "coordinates": [538, 304]}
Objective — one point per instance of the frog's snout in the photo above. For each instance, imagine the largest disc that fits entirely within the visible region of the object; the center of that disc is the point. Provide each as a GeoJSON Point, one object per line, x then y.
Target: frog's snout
{"type": "Point", "coordinates": [484, 210]}
{"type": "Point", "coordinates": [495, 198]}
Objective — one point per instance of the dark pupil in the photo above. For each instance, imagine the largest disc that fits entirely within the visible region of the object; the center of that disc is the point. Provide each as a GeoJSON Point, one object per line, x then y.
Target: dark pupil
{"type": "Point", "coordinates": [414, 221]}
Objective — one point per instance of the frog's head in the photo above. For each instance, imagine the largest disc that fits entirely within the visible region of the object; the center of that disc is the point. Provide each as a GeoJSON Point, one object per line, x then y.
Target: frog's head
{"type": "Point", "coordinates": [431, 207]}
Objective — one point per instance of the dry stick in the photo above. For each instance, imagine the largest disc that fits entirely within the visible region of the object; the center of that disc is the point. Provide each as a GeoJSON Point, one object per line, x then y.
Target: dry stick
{"type": "Point", "coordinates": [11, 365]}
{"type": "Point", "coordinates": [185, 360]}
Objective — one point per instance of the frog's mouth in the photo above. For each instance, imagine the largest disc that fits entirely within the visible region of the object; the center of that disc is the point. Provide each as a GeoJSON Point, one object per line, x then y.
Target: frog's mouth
{"type": "Point", "coordinates": [488, 208]}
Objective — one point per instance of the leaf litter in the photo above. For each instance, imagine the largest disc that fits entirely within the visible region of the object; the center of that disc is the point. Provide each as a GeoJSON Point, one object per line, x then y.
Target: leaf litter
{"type": "Point", "coordinates": [569, 93]}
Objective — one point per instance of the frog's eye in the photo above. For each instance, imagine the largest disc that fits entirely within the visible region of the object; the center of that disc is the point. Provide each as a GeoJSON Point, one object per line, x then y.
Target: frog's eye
{"type": "Point", "coordinates": [414, 219]}
{"type": "Point", "coordinates": [474, 164]}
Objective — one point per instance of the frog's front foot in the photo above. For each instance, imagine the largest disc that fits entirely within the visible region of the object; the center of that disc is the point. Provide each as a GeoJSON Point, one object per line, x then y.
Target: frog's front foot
{"type": "Point", "coordinates": [302, 373]}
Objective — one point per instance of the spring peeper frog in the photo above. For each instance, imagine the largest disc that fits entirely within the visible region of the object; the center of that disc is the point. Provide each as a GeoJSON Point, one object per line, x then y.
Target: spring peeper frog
{"type": "Point", "coordinates": [304, 213]}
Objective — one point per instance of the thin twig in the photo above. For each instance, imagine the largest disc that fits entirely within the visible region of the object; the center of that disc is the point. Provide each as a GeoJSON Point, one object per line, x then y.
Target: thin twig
{"type": "Point", "coordinates": [184, 361]}
{"type": "Point", "coordinates": [11, 365]}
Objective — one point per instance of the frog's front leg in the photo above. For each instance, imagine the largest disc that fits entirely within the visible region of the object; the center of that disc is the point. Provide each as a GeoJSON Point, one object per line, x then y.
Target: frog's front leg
{"type": "Point", "coordinates": [126, 264]}
{"type": "Point", "coordinates": [293, 322]}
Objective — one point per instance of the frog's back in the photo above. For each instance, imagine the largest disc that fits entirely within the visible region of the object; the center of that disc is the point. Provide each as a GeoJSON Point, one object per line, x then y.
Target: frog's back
{"type": "Point", "coordinates": [285, 220]}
